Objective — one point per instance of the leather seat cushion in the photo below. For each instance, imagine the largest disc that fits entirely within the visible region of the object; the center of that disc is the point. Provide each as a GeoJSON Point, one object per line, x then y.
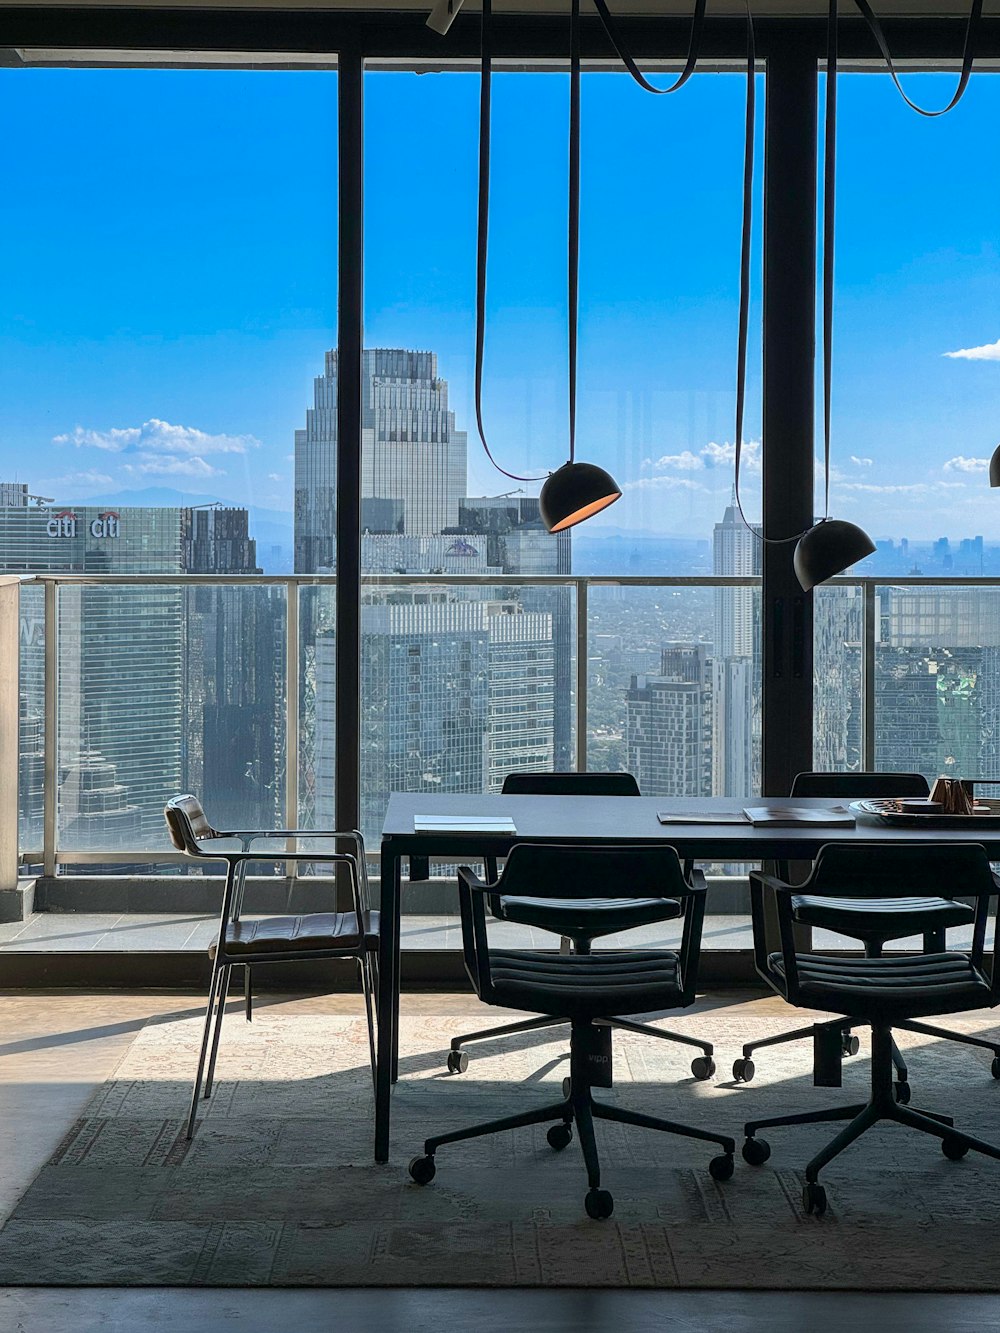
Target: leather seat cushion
{"type": "Point", "coordinates": [880, 918]}
{"type": "Point", "coordinates": [589, 916]}
{"type": "Point", "coordinates": [586, 985]}
{"type": "Point", "coordinates": [299, 934]}
{"type": "Point", "coordinates": [935, 983]}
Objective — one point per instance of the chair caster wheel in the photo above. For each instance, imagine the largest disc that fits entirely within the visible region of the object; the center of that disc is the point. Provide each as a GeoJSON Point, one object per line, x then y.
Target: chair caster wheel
{"type": "Point", "coordinates": [567, 1087]}
{"type": "Point", "coordinates": [954, 1149]}
{"type": "Point", "coordinates": [560, 1136]}
{"type": "Point", "coordinates": [422, 1170]}
{"type": "Point", "coordinates": [901, 1092]}
{"type": "Point", "coordinates": [744, 1069]}
{"type": "Point", "coordinates": [756, 1152]}
{"type": "Point", "coordinates": [995, 1067]}
{"type": "Point", "coordinates": [814, 1198]}
{"type": "Point", "coordinates": [721, 1167]}
{"type": "Point", "coordinates": [599, 1204]}
{"type": "Point", "coordinates": [458, 1062]}
{"type": "Point", "coordinates": [850, 1045]}
{"type": "Point", "coordinates": [703, 1066]}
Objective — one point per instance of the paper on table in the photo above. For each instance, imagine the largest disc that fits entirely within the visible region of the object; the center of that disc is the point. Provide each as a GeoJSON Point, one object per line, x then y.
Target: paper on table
{"type": "Point", "coordinates": [682, 817]}
{"type": "Point", "coordinates": [463, 824]}
{"type": "Point", "coordinates": [789, 816]}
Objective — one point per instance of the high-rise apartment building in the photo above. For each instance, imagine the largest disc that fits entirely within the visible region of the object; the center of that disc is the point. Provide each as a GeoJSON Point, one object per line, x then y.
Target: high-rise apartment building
{"type": "Point", "coordinates": [669, 724]}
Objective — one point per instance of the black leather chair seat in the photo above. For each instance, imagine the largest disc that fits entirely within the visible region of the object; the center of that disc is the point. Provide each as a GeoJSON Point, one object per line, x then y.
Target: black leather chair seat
{"type": "Point", "coordinates": [883, 918]}
{"type": "Point", "coordinates": [586, 985]}
{"type": "Point", "coordinates": [589, 916]}
{"type": "Point", "coordinates": [299, 934]}
{"type": "Point", "coordinates": [936, 983]}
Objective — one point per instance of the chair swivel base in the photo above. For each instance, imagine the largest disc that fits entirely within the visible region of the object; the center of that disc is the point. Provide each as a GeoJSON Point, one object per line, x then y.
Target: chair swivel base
{"type": "Point", "coordinates": [578, 1109]}
{"type": "Point", "coordinates": [744, 1067]}
{"type": "Point", "coordinates": [882, 1105]}
{"type": "Point", "coordinates": [702, 1066]}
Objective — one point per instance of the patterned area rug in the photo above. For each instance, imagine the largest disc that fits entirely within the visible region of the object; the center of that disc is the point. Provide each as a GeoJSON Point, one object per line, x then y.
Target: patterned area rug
{"type": "Point", "coordinates": [278, 1187]}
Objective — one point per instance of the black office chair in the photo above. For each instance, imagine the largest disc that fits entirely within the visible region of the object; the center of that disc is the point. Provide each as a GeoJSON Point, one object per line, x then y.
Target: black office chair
{"type": "Point", "coordinates": [880, 992]}
{"type": "Point", "coordinates": [874, 921]}
{"type": "Point", "coordinates": [578, 923]}
{"type": "Point", "coordinates": [582, 987]}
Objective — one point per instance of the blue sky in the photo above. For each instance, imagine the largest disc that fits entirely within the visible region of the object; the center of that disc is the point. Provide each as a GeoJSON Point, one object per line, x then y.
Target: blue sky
{"type": "Point", "coordinates": [170, 284]}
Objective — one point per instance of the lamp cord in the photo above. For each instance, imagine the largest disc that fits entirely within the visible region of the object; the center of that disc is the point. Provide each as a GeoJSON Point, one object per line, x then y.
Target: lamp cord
{"type": "Point", "coordinates": [968, 54]}
{"type": "Point", "coordinates": [573, 239]}
{"type": "Point", "coordinates": [625, 56]}
{"type": "Point", "coordinates": [482, 228]}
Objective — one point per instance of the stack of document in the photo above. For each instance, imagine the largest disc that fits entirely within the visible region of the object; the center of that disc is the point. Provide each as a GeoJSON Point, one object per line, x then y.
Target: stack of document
{"type": "Point", "coordinates": [463, 824]}
{"type": "Point", "coordinates": [789, 816]}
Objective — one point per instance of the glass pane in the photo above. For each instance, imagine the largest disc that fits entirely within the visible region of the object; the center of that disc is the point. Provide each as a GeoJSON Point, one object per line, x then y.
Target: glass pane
{"type": "Point", "coordinates": [917, 314]}
{"type": "Point", "coordinates": [838, 635]}
{"type": "Point", "coordinates": [937, 682]}
{"type": "Point", "coordinates": [31, 710]}
{"type": "Point", "coordinates": [187, 306]}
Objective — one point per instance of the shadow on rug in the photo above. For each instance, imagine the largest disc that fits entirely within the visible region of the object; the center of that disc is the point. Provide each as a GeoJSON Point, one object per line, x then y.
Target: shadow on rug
{"type": "Point", "coordinates": [278, 1187]}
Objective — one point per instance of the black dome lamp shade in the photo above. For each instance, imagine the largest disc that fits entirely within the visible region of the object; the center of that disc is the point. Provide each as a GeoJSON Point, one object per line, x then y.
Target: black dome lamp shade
{"type": "Point", "coordinates": [829, 548]}
{"type": "Point", "coordinates": [576, 490]}
{"type": "Point", "coordinates": [995, 467]}
{"type": "Point", "coordinates": [574, 493]}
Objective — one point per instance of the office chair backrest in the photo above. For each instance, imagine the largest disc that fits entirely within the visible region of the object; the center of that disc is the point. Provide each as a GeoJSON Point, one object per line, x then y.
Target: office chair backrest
{"type": "Point", "coordinates": [570, 784]}
{"type": "Point", "coordinates": [549, 870]}
{"type": "Point", "coordinates": [882, 870]}
{"type": "Point", "coordinates": [858, 786]}
{"type": "Point", "coordinates": [187, 823]}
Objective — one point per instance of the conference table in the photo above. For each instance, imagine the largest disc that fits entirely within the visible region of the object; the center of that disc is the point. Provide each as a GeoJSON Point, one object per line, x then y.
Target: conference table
{"type": "Point", "coordinates": [714, 834]}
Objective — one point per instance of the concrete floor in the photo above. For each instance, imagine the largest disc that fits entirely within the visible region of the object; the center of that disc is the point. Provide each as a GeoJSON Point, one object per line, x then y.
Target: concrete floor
{"type": "Point", "coordinates": [57, 1047]}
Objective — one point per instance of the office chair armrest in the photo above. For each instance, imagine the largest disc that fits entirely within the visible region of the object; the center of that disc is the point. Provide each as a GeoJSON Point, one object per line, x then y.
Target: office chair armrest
{"type": "Point", "coordinates": [475, 945]}
{"type": "Point", "coordinates": [760, 885]}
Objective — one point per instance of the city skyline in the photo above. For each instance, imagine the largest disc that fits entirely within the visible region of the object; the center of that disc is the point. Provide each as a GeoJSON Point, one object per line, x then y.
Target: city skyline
{"type": "Point", "coordinates": [172, 368]}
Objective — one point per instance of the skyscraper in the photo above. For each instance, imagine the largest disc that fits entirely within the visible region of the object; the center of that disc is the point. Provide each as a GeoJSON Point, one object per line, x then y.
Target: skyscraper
{"type": "Point", "coordinates": [669, 724]}
{"type": "Point", "coordinates": [411, 451]}
{"type": "Point", "coordinates": [736, 550]}
{"type": "Point", "coordinates": [460, 684]}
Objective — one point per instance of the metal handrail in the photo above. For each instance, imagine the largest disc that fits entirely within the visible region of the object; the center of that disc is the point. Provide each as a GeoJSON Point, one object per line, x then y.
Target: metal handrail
{"type": "Point", "coordinates": [51, 855]}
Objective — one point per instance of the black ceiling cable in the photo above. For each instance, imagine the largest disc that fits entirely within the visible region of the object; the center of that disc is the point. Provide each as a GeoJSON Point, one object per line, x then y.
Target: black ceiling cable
{"type": "Point", "coordinates": [618, 42]}
{"type": "Point", "coordinates": [482, 230]}
{"type": "Point", "coordinates": [968, 54]}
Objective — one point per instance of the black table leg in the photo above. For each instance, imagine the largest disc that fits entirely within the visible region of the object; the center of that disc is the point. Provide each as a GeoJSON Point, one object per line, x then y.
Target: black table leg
{"type": "Point", "coordinates": [387, 1001]}
{"type": "Point", "coordinates": [396, 964]}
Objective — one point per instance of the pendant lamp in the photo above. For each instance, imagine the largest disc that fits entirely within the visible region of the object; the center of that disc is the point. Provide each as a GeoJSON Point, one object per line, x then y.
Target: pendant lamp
{"type": "Point", "coordinates": [831, 545]}
{"type": "Point", "coordinates": [576, 490]}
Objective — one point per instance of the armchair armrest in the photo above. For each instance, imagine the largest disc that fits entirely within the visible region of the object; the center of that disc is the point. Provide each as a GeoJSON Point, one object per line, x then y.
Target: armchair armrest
{"type": "Point", "coordinates": [475, 945]}
{"type": "Point", "coordinates": [781, 893]}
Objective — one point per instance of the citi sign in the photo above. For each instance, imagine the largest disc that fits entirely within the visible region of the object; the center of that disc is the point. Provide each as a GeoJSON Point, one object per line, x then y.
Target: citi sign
{"type": "Point", "coordinates": [66, 524]}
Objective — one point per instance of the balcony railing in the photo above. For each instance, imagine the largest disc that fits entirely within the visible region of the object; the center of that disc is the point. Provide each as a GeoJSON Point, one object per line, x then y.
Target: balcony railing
{"type": "Point", "coordinates": [50, 599]}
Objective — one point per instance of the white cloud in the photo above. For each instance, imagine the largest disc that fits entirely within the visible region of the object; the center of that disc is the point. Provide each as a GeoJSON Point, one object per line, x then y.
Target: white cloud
{"type": "Point", "coordinates": [988, 352]}
{"type": "Point", "coordinates": [75, 481]}
{"type": "Point", "coordinates": [861, 462]}
{"type": "Point", "coordinates": [157, 437]}
{"type": "Point", "coordinates": [151, 466]}
{"type": "Point", "coordinates": [274, 476]}
{"type": "Point", "coordinates": [962, 464]}
{"type": "Point", "coordinates": [683, 462]}
{"type": "Point", "coordinates": [663, 483]}
{"type": "Point", "coordinates": [910, 488]}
